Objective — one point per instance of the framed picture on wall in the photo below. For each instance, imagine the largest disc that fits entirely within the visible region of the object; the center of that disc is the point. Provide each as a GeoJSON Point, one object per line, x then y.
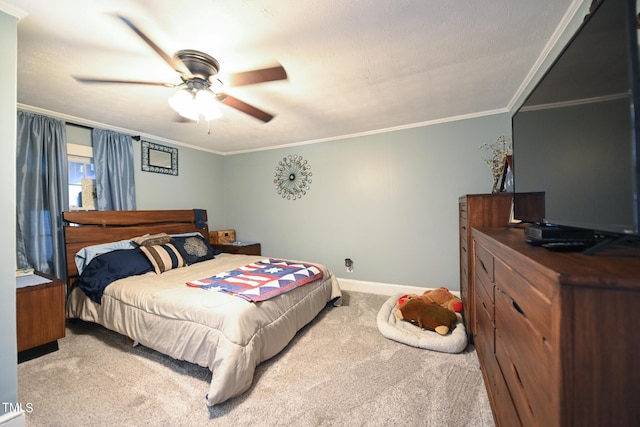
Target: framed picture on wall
{"type": "Point", "coordinates": [159, 158]}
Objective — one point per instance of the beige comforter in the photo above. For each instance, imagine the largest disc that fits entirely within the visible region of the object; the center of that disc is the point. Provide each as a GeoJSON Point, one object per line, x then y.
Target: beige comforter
{"type": "Point", "coordinates": [224, 333]}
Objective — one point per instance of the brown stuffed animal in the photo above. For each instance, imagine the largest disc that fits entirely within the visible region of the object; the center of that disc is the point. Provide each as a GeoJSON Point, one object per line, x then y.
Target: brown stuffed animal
{"type": "Point", "coordinates": [427, 315]}
{"type": "Point", "coordinates": [404, 298]}
{"type": "Point", "coordinates": [443, 297]}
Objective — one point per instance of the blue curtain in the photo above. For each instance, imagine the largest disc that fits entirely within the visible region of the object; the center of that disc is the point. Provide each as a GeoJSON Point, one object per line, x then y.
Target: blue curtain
{"type": "Point", "coordinates": [113, 159]}
{"type": "Point", "coordinates": [42, 193]}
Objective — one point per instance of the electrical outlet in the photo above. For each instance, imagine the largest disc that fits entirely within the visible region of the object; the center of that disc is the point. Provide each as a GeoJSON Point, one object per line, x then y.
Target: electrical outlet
{"type": "Point", "coordinates": [349, 264]}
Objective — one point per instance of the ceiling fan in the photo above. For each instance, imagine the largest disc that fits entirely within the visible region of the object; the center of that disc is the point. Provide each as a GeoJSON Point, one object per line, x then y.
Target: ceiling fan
{"type": "Point", "coordinates": [200, 90]}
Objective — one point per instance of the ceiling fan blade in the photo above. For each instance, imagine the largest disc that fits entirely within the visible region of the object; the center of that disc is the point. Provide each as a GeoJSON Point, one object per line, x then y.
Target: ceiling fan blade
{"type": "Point", "coordinates": [175, 63]}
{"type": "Point", "coordinates": [257, 76]}
{"type": "Point", "coordinates": [244, 107]}
{"type": "Point", "coordinates": [135, 82]}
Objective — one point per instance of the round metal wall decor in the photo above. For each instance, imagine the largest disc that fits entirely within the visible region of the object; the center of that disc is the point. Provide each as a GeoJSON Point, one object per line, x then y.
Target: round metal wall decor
{"type": "Point", "coordinates": [292, 177]}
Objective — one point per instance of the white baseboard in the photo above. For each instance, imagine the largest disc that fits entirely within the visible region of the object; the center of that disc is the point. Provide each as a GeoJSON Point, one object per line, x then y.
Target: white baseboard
{"type": "Point", "coordinates": [381, 288]}
{"type": "Point", "coordinates": [12, 419]}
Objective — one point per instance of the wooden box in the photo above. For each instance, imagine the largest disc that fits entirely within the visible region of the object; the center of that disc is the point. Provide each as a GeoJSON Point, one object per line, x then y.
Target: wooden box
{"type": "Point", "coordinates": [222, 236]}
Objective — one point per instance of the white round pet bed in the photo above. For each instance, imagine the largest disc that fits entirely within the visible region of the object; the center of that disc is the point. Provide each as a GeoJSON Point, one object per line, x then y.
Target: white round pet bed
{"type": "Point", "coordinates": [405, 332]}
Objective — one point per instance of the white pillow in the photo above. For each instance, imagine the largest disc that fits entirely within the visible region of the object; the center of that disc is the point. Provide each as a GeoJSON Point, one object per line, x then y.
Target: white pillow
{"type": "Point", "coordinates": [193, 233]}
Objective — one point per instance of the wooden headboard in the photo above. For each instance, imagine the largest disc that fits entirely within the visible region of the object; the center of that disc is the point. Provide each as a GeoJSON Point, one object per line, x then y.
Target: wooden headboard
{"type": "Point", "coordinates": [86, 228]}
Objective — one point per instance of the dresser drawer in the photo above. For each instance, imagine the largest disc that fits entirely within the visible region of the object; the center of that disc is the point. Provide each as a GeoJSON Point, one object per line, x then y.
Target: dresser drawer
{"type": "Point", "coordinates": [463, 232]}
{"type": "Point", "coordinates": [484, 281]}
{"type": "Point", "coordinates": [463, 207]}
{"type": "Point", "coordinates": [499, 395]}
{"type": "Point", "coordinates": [485, 330]}
{"type": "Point", "coordinates": [463, 220]}
{"type": "Point", "coordinates": [484, 265]}
{"type": "Point", "coordinates": [485, 298]}
{"type": "Point", "coordinates": [535, 306]}
{"type": "Point", "coordinates": [527, 363]}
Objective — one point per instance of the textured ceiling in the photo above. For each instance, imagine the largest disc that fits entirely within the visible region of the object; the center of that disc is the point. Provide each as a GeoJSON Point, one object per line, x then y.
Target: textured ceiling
{"type": "Point", "coordinates": [354, 66]}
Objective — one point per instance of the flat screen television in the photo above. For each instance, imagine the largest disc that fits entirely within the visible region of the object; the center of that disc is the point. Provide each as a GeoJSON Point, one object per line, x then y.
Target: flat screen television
{"type": "Point", "coordinates": [576, 137]}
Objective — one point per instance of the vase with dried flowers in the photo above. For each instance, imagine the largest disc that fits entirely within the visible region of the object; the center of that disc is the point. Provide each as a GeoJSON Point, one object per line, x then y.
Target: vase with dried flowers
{"type": "Point", "coordinates": [499, 152]}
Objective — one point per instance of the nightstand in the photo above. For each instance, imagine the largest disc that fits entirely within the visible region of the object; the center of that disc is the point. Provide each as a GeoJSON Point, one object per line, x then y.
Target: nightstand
{"type": "Point", "coordinates": [239, 248]}
{"type": "Point", "coordinates": [40, 317]}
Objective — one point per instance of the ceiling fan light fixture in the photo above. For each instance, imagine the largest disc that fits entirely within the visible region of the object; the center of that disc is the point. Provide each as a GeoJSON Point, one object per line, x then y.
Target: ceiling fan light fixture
{"type": "Point", "coordinates": [184, 104]}
{"type": "Point", "coordinates": [207, 104]}
{"type": "Point", "coordinates": [203, 103]}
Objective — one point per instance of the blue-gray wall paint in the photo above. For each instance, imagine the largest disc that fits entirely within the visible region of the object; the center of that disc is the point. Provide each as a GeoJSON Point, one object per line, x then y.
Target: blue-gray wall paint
{"type": "Point", "coordinates": [388, 201]}
{"type": "Point", "coordinates": [8, 345]}
{"type": "Point", "coordinates": [199, 184]}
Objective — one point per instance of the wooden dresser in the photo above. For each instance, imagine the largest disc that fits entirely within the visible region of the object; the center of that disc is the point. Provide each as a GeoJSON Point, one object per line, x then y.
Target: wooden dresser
{"type": "Point", "coordinates": [557, 333]}
{"type": "Point", "coordinates": [476, 211]}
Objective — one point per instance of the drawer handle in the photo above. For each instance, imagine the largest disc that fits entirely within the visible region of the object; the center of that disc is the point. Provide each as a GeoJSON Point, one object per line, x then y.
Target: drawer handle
{"type": "Point", "coordinates": [517, 307]}
{"type": "Point", "coordinates": [516, 373]}
{"type": "Point", "coordinates": [484, 267]}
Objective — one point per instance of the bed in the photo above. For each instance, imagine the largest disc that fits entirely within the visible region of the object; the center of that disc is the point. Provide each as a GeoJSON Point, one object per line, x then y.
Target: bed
{"type": "Point", "coordinates": [226, 333]}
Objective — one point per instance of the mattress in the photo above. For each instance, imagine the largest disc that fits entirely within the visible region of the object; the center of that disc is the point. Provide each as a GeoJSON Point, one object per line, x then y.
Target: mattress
{"type": "Point", "coordinates": [225, 333]}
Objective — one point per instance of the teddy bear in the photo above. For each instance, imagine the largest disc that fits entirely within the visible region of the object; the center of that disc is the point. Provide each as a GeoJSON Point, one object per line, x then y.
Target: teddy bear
{"type": "Point", "coordinates": [443, 297]}
{"type": "Point", "coordinates": [425, 314]}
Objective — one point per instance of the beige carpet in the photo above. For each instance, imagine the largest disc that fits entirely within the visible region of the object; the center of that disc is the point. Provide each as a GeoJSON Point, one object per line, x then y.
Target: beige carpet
{"type": "Point", "coordinates": [339, 370]}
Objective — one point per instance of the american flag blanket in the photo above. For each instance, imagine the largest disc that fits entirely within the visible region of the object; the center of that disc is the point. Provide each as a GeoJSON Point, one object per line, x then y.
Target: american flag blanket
{"type": "Point", "coordinates": [261, 280]}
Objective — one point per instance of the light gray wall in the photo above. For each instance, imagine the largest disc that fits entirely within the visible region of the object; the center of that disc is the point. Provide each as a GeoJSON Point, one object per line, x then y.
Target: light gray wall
{"type": "Point", "coordinates": [8, 346]}
{"type": "Point", "coordinates": [387, 201]}
{"type": "Point", "coordinates": [198, 184]}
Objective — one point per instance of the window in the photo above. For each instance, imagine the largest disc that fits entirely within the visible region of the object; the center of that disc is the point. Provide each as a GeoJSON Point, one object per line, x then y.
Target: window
{"type": "Point", "coordinates": [82, 177]}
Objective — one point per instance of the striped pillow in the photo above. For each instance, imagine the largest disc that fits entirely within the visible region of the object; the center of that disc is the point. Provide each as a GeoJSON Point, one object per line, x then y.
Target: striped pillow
{"type": "Point", "coordinates": [163, 257]}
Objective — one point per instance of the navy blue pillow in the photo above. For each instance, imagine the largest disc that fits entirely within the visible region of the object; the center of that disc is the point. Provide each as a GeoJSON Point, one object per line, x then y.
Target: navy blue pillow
{"type": "Point", "coordinates": [111, 266]}
{"type": "Point", "coordinates": [194, 248]}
